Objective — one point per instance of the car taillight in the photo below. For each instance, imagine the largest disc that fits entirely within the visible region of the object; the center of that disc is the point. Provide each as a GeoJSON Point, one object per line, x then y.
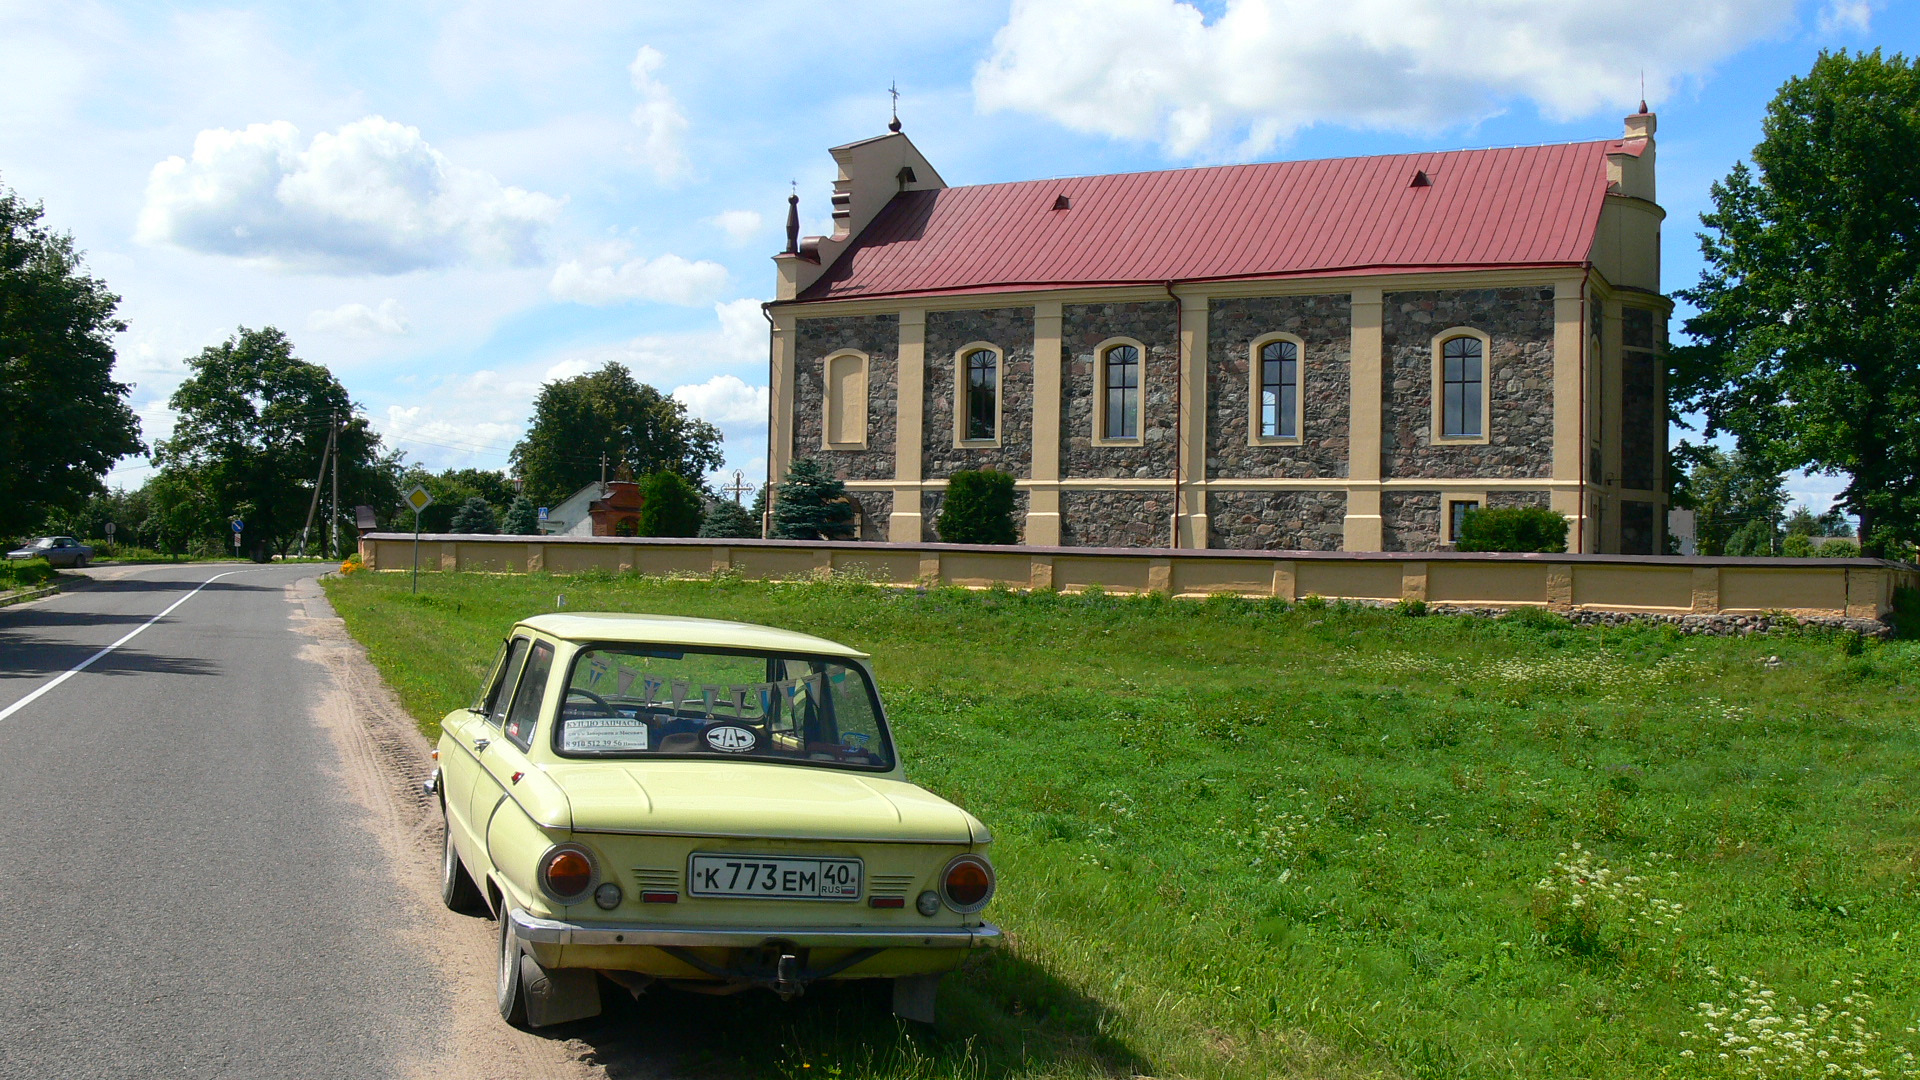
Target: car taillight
{"type": "Point", "coordinates": [566, 873]}
{"type": "Point", "coordinates": [967, 884]}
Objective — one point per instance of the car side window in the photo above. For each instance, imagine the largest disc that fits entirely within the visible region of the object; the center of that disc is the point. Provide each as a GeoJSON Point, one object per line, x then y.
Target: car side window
{"type": "Point", "coordinates": [490, 686]}
{"type": "Point", "coordinates": [503, 690]}
{"type": "Point", "coordinates": [525, 716]}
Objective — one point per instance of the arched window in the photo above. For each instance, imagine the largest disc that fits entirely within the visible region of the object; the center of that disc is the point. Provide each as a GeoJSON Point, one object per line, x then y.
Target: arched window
{"type": "Point", "coordinates": [1462, 386]}
{"type": "Point", "coordinates": [845, 426]}
{"type": "Point", "coordinates": [981, 370]}
{"type": "Point", "coordinates": [1277, 374]}
{"type": "Point", "coordinates": [1120, 382]}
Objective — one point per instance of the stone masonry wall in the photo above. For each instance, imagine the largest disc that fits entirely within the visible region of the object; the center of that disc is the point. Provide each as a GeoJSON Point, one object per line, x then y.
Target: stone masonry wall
{"type": "Point", "coordinates": [879, 337]}
{"type": "Point", "coordinates": [1410, 520]}
{"type": "Point", "coordinates": [1505, 500]}
{"type": "Point", "coordinates": [1325, 324]}
{"type": "Point", "coordinates": [1012, 330]}
{"type": "Point", "coordinates": [1083, 326]}
{"type": "Point", "coordinates": [1115, 518]}
{"type": "Point", "coordinates": [1520, 383]}
{"type": "Point", "coordinates": [1277, 520]}
{"type": "Point", "coordinates": [876, 509]}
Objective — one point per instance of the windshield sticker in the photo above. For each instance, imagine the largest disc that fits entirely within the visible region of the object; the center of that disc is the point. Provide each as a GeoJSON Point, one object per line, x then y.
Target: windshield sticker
{"type": "Point", "coordinates": [729, 739]}
{"type": "Point", "coordinates": [608, 735]}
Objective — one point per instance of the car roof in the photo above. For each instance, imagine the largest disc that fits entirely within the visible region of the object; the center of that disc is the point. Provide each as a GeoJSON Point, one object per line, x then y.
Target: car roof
{"type": "Point", "coordinates": [681, 630]}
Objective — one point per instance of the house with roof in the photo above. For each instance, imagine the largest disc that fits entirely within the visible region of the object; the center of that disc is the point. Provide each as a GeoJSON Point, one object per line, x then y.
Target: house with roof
{"type": "Point", "coordinates": [1335, 355]}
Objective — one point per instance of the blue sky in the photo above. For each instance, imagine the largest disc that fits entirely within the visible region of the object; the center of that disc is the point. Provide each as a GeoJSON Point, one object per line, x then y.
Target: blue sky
{"type": "Point", "coordinates": [450, 203]}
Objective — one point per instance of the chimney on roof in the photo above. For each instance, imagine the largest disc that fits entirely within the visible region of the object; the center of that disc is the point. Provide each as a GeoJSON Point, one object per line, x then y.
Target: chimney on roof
{"type": "Point", "coordinates": [1641, 124]}
{"type": "Point", "coordinates": [1630, 167]}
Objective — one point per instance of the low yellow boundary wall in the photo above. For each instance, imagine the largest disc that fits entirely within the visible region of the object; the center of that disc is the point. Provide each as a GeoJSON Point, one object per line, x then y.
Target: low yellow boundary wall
{"type": "Point", "coordinates": [1855, 588]}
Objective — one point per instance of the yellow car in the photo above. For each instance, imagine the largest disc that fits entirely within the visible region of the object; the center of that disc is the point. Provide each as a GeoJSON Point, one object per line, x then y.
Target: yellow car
{"type": "Point", "coordinates": [709, 805]}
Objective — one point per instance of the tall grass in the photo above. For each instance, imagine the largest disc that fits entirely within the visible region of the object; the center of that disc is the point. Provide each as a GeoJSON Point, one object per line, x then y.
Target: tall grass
{"type": "Point", "coordinates": [1238, 838]}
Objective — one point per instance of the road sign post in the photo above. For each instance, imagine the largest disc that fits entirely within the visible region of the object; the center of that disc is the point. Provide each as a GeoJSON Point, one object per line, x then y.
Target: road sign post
{"type": "Point", "coordinates": [109, 532]}
{"type": "Point", "coordinates": [419, 499]}
{"type": "Point", "coordinates": [238, 524]}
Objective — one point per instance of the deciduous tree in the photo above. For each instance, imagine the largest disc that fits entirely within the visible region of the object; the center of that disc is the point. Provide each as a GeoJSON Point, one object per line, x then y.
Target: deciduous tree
{"type": "Point", "coordinates": [252, 426]}
{"type": "Point", "coordinates": [577, 420]}
{"type": "Point", "coordinates": [670, 506]}
{"type": "Point", "coordinates": [64, 421]}
{"type": "Point", "coordinates": [1808, 333]}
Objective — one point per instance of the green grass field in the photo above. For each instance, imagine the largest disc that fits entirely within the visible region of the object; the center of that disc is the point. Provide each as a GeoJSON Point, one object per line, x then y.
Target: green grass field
{"type": "Point", "coordinates": [26, 574]}
{"type": "Point", "coordinates": [1238, 839]}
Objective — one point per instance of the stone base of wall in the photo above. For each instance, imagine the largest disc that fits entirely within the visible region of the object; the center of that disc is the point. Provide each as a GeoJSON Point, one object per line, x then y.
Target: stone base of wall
{"type": "Point", "coordinates": [1409, 520]}
{"type": "Point", "coordinates": [1276, 520]}
{"type": "Point", "coordinates": [875, 508]}
{"type": "Point", "coordinates": [1115, 518]}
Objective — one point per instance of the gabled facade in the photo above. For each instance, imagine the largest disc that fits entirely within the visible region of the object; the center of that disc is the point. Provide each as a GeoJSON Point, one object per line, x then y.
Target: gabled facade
{"type": "Point", "coordinates": [1319, 355]}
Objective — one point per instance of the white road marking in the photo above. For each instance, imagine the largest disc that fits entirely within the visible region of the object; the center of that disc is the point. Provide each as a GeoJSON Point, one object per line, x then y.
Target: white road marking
{"type": "Point", "coordinates": [88, 662]}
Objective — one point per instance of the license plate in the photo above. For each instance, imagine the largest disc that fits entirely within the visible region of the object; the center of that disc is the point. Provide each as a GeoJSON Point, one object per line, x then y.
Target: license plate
{"type": "Point", "coordinates": [771, 877]}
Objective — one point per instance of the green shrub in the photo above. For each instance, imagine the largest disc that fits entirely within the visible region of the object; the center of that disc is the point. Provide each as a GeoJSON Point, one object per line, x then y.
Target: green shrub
{"type": "Point", "coordinates": [1905, 616]}
{"type": "Point", "coordinates": [1517, 528]}
{"type": "Point", "coordinates": [1754, 538]}
{"type": "Point", "coordinates": [1798, 546]}
{"type": "Point", "coordinates": [1838, 549]}
{"type": "Point", "coordinates": [812, 505]}
{"type": "Point", "coordinates": [25, 574]}
{"type": "Point", "coordinates": [978, 509]}
{"type": "Point", "coordinates": [729, 519]}
{"type": "Point", "coordinates": [669, 505]}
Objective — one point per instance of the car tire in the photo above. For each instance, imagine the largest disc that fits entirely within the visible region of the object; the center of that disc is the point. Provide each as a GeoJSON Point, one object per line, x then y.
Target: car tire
{"type": "Point", "coordinates": [82, 561]}
{"type": "Point", "coordinates": [511, 995]}
{"type": "Point", "coordinates": [457, 889]}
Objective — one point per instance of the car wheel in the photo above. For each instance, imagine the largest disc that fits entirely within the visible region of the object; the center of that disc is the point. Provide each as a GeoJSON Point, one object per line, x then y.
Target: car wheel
{"type": "Point", "coordinates": [83, 560]}
{"type": "Point", "coordinates": [457, 889]}
{"type": "Point", "coordinates": [511, 995]}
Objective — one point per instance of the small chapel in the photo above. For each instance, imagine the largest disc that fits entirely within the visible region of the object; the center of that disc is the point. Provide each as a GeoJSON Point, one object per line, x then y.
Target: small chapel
{"type": "Point", "coordinates": [1335, 355]}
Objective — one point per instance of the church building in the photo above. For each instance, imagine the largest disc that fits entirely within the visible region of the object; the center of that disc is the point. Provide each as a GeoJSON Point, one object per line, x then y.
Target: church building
{"type": "Point", "coordinates": [1337, 355]}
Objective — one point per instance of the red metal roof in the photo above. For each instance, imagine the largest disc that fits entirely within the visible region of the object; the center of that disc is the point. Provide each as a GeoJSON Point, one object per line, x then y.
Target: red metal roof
{"type": "Point", "coordinates": [1522, 206]}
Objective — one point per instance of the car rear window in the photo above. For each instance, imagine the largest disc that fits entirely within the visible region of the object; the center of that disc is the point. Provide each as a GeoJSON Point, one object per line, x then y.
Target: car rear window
{"type": "Point", "coordinates": [644, 701]}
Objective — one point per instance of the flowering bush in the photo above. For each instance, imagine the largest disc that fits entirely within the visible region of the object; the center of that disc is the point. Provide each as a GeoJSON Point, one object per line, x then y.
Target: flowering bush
{"type": "Point", "coordinates": [352, 565]}
{"type": "Point", "coordinates": [1587, 908]}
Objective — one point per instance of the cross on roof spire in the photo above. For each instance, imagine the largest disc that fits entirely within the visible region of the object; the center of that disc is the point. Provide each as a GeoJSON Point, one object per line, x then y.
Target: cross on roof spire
{"type": "Point", "coordinates": [893, 88]}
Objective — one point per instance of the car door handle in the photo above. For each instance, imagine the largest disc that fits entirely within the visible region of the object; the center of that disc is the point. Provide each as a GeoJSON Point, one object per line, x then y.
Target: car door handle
{"type": "Point", "coordinates": [480, 744]}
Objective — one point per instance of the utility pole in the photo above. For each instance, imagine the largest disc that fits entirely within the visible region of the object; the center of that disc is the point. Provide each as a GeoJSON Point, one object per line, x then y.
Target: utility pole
{"type": "Point", "coordinates": [603, 474]}
{"type": "Point", "coordinates": [333, 440]}
{"type": "Point", "coordinates": [314, 505]}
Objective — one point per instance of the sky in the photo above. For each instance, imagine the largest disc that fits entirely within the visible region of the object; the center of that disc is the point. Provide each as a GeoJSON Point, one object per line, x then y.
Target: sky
{"type": "Point", "coordinates": [449, 204]}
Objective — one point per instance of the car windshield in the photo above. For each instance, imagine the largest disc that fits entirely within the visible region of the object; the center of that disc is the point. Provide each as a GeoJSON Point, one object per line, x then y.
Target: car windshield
{"type": "Point", "coordinates": [650, 701]}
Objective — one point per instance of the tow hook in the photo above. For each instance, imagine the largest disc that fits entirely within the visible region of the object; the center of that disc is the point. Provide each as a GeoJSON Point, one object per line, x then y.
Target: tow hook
{"type": "Point", "coordinates": [786, 977]}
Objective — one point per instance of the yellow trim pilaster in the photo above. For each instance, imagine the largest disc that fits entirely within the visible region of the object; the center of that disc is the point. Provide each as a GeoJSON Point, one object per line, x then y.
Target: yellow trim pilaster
{"type": "Point", "coordinates": [1043, 505]}
{"type": "Point", "coordinates": [780, 424]}
{"type": "Point", "coordinates": [1191, 526]}
{"type": "Point", "coordinates": [904, 525]}
{"type": "Point", "coordinates": [1363, 525]}
{"type": "Point", "coordinates": [1569, 349]}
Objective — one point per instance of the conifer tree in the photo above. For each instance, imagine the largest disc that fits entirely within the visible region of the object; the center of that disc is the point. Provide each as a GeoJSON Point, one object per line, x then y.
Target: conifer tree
{"type": "Point", "coordinates": [812, 505]}
{"type": "Point", "coordinates": [523, 518]}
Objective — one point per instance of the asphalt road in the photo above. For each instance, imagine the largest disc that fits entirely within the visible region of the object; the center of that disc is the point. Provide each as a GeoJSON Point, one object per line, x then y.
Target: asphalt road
{"type": "Point", "coordinates": [185, 890]}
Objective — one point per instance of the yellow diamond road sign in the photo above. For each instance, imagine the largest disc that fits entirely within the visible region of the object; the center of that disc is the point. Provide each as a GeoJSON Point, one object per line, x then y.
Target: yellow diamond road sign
{"type": "Point", "coordinates": [419, 499]}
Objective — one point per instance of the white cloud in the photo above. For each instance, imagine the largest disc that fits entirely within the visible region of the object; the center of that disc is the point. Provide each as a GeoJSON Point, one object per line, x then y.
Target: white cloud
{"type": "Point", "coordinates": [739, 341]}
{"type": "Point", "coordinates": [1157, 70]}
{"type": "Point", "coordinates": [739, 225]}
{"type": "Point", "coordinates": [373, 197]}
{"type": "Point", "coordinates": [724, 400]}
{"type": "Point", "coordinates": [1846, 16]}
{"type": "Point", "coordinates": [606, 275]}
{"type": "Point", "coordinates": [659, 118]}
{"type": "Point", "coordinates": [359, 320]}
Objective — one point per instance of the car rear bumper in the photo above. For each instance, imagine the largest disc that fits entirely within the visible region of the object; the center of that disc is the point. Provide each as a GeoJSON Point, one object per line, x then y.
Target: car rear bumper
{"type": "Point", "coordinates": [534, 929]}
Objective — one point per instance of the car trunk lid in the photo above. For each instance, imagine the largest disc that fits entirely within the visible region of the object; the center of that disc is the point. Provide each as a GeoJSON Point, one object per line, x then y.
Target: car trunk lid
{"type": "Point", "coordinates": [699, 798]}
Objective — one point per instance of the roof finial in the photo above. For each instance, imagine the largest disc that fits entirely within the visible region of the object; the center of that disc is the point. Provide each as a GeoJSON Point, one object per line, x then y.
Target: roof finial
{"type": "Point", "coordinates": [894, 89]}
{"type": "Point", "coordinates": [793, 220]}
{"type": "Point", "coordinates": [1643, 91]}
